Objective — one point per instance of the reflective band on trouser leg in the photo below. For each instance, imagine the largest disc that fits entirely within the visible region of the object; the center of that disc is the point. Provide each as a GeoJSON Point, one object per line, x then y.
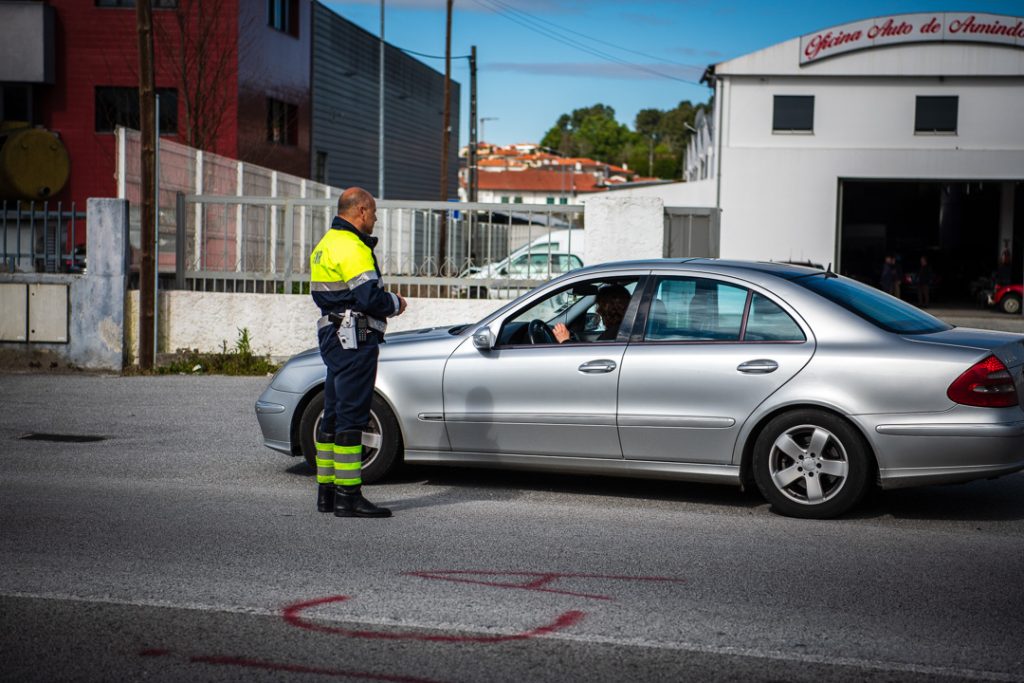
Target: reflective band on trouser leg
{"type": "Point", "coordinates": [324, 458]}
{"type": "Point", "coordinates": [348, 464]}
{"type": "Point", "coordinates": [348, 458]}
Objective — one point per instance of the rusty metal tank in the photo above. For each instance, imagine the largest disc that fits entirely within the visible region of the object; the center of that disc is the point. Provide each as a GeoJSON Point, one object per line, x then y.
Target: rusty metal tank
{"type": "Point", "coordinates": [34, 164]}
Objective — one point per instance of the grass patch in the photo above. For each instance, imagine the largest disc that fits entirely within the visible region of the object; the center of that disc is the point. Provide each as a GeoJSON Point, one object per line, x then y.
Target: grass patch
{"type": "Point", "coordinates": [237, 361]}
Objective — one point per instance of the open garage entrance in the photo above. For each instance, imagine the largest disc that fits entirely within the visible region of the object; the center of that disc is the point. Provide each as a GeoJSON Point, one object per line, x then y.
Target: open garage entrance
{"type": "Point", "coordinates": [964, 229]}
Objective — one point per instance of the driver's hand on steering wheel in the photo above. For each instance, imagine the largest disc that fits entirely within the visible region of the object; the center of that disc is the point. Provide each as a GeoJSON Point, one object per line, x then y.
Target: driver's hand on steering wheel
{"type": "Point", "coordinates": [561, 333]}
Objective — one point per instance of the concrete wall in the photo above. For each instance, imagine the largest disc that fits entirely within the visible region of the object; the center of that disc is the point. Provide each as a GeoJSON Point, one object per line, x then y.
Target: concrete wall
{"type": "Point", "coordinates": [621, 227]}
{"type": "Point", "coordinates": [279, 325]}
{"type": "Point", "coordinates": [103, 317]}
{"type": "Point", "coordinates": [96, 301]}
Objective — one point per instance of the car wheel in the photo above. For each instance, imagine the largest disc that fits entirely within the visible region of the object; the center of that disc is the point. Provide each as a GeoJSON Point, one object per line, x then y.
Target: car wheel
{"type": "Point", "coordinates": [382, 439]}
{"type": "Point", "coordinates": [1010, 304]}
{"type": "Point", "coordinates": [811, 464]}
{"type": "Point", "coordinates": [307, 428]}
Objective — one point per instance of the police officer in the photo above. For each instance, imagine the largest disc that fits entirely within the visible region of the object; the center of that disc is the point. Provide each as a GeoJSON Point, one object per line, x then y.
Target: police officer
{"type": "Point", "coordinates": [346, 284]}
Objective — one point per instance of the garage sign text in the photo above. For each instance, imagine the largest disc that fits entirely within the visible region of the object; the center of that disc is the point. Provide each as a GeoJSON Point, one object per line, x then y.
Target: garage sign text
{"type": "Point", "coordinates": [913, 28]}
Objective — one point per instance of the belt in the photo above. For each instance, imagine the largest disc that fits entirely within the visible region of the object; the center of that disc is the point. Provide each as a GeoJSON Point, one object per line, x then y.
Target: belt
{"type": "Point", "coordinates": [371, 322]}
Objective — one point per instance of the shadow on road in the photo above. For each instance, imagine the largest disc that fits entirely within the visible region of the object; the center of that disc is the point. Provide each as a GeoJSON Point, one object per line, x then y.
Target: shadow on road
{"type": "Point", "coordinates": [986, 500]}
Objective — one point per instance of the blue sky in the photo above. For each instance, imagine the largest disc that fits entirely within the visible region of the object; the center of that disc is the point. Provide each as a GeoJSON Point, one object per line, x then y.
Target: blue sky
{"type": "Point", "coordinates": [539, 59]}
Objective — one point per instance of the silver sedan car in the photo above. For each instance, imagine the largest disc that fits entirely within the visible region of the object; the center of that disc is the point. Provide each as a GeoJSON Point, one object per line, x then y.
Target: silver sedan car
{"type": "Point", "coordinates": [810, 386]}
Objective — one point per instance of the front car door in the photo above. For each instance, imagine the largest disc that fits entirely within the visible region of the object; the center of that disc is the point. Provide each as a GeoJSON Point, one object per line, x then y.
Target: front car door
{"type": "Point", "coordinates": [541, 397]}
{"type": "Point", "coordinates": [709, 349]}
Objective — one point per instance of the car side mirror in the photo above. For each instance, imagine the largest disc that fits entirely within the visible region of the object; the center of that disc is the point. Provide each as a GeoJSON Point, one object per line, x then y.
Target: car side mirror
{"type": "Point", "coordinates": [483, 339]}
{"type": "Point", "coordinates": [503, 271]}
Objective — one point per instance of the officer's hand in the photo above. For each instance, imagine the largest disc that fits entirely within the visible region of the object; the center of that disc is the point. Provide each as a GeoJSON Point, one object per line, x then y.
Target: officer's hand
{"type": "Point", "coordinates": [402, 303]}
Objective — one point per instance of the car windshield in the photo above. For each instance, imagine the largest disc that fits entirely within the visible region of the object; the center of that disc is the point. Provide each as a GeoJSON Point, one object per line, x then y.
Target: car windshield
{"type": "Point", "coordinates": [878, 308]}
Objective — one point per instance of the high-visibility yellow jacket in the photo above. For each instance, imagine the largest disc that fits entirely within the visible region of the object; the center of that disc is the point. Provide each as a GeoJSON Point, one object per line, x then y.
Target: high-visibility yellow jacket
{"type": "Point", "coordinates": [344, 273]}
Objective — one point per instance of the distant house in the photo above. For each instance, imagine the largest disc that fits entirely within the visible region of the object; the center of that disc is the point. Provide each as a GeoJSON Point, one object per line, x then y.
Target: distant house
{"type": "Point", "coordinates": [528, 174]}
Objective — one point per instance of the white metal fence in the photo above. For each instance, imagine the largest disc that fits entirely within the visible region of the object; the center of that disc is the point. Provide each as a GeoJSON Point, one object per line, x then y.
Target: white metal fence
{"type": "Point", "coordinates": [226, 225]}
{"type": "Point", "coordinates": [262, 244]}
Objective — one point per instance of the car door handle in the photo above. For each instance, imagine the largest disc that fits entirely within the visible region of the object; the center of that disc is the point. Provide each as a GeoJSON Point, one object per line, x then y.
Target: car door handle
{"type": "Point", "coordinates": [596, 366]}
{"type": "Point", "coordinates": [761, 366]}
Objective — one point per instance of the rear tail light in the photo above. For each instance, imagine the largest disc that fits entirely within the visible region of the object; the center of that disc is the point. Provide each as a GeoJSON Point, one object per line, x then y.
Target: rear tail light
{"type": "Point", "coordinates": [986, 384]}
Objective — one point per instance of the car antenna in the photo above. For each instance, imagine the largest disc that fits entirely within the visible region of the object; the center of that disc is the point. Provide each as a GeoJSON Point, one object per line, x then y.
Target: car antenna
{"type": "Point", "coordinates": [828, 271]}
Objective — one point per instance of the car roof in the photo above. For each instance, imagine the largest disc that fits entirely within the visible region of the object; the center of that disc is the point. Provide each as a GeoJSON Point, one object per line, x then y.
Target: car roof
{"type": "Point", "coordinates": [786, 271]}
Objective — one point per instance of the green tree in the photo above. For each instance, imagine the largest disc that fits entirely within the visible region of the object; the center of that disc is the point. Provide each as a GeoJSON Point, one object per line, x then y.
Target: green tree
{"type": "Point", "coordinates": [656, 144]}
{"type": "Point", "coordinates": [648, 125]}
{"type": "Point", "coordinates": [585, 130]}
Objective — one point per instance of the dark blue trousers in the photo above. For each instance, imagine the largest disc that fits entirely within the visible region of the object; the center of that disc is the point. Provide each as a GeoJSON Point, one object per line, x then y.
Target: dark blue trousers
{"type": "Point", "coordinates": [351, 374]}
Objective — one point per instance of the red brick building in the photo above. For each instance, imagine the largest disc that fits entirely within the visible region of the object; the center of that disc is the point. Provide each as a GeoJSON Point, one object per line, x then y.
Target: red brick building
{"type": "Point", "coordinates": [229, 80]}
{"type": "Point", "coordinates": [235, 77]}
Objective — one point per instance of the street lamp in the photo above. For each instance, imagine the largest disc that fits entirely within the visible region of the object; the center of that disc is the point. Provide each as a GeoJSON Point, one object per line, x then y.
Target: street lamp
{"type": "Point", "coordinates": [483, 120]}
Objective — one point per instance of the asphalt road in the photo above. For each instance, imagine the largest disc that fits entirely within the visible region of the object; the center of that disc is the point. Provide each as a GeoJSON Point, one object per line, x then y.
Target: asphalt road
{"type": "Point", "coordinates": [179, 548]}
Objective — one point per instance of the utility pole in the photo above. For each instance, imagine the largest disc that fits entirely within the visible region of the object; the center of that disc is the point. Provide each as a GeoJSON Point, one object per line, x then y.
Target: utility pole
{"type": "Point", "coordinates": [147, 126]}
{"type": "Point", "coordinates": [442, 246]}
{"type": "Point", "coordinates": [472, 177]}
{"type": "Point", "coordinates": [380, 116]}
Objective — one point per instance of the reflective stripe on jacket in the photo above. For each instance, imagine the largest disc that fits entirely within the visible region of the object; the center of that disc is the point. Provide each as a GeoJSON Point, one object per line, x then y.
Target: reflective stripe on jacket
{"type": "Point", "coordinates": [344, 273]}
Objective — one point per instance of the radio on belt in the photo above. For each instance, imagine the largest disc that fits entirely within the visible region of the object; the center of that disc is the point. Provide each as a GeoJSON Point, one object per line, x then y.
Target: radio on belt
{"type": "Point", "coordinates": [352, 328]}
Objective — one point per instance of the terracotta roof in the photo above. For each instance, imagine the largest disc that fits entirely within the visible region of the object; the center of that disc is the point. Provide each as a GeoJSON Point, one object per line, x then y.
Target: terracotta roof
{"type": "Point", "coordinates": [539, 180]}
{"type": "Point", "coordinates": [501, 163]}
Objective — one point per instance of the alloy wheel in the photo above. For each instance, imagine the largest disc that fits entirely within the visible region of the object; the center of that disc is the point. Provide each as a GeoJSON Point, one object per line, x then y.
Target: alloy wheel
{"type": "Point", "coordinates": [371, 437]}
{"type": "Point", "coordinates": [808, 464]}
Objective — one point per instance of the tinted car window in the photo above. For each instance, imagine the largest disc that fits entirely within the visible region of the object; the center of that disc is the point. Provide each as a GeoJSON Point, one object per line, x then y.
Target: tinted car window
{"type": "Point", "coordinates": [695, 309]}
{"type": "Point", "coordinates": [767, 322]}
{"type": "Point", "coordinates": [878, 308]}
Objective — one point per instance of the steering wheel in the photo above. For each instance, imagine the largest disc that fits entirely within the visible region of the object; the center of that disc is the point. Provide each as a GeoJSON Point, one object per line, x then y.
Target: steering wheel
{"type": "Point", "coordinates": [540, 332]}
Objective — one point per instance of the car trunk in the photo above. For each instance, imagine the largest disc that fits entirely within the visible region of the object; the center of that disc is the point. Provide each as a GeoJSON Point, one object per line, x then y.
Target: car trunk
{"type": "Point", "coordinates": [1006, 346]}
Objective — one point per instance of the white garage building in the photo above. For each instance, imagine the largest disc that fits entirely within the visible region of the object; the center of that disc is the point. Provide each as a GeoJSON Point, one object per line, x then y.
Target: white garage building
{"type": "Point", "coordinates": [897, 135]}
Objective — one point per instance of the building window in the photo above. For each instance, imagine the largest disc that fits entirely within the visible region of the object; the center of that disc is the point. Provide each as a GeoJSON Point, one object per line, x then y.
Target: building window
{"type": "Point", "coordinates": [504, 199]}
{"type": "Point", "coordinates": [282, 122]}
{"type": "Point", "coordinates": [15, 103]}
{"type": "Point", "coordinates": [283, 15]}
{"type": "Point", "coordinates": [793, 114]}
{"type": "Point", "coordinates": [157, 4]}
{"type": "Point", "coordinates": [936, 114]}
{"type": "Point", "coordinates": [518, 200]}
{"type": "Point", "coordinates": [551, 200]}
{"type": "Point", "coordinates": [321, 168]}
{"type": "Point", "coordinates": [563, 200]}
{"type": "Point", "coordinates": [120, 107]}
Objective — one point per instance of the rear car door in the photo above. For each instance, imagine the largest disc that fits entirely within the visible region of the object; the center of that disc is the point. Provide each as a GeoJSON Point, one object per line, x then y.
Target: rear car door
{"type": "Point", "coordinates": [705, 352]}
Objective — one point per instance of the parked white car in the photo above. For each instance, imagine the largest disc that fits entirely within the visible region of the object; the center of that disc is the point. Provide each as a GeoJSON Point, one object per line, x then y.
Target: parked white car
{"type": "Point", "coordinates": [548, 256]}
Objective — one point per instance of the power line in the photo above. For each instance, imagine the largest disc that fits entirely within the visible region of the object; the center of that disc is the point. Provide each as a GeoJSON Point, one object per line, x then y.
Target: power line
{"type": "Point", "coordinates": [420, 54]}
{"type": "Point", "coordinates": [559, 27]}
{"type": "Point", "coordinates": [532, 24]}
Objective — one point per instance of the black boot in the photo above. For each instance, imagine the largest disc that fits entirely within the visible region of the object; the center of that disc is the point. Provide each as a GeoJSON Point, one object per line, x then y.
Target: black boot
{"type": "Point", "coordinates": [349, 502]}
{"type": "Point", "coordinates": [325, 498]}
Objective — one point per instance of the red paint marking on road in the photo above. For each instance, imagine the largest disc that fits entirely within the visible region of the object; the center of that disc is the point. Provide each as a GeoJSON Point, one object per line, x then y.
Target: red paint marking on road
{"type": "Point", "coordinates": [154, 652]}
{"type": "Point", "coordinates": [302, 669]}
{"type": "Point", "coordinates": [292, 615]}
{"type": "Point", "coordinates": [540, 580]}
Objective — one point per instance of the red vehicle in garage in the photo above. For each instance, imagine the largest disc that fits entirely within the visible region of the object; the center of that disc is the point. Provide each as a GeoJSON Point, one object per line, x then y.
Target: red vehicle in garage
{"type": "Point", "coordinates": [1007, 297]}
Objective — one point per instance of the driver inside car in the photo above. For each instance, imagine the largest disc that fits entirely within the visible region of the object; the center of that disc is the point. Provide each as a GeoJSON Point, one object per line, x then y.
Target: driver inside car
{"type": "Point", "coordinates": [611, 301]}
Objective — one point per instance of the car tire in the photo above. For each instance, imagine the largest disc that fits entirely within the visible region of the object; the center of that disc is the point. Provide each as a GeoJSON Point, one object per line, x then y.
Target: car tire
{"type": "Point", "coordinates": [307, 428]}
{"type": "Point", "coordinates": [377, 461]}
{"type": "Point", "coordinates": [1010, 304]}
{"type": "Point", "coordinates": [811, 464]}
